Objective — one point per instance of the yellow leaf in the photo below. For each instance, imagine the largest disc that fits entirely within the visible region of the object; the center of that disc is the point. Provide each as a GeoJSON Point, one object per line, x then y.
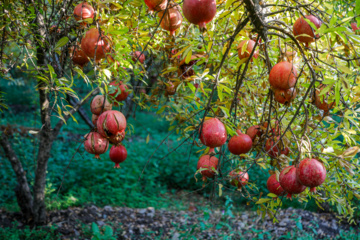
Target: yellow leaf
{"type": "Point", "coordinates": [147, 138]}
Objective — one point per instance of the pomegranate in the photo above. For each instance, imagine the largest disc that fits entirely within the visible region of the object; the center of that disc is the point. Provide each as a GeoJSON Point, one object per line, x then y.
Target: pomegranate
{"type": "Point", "coordinates": [245, 53]}
{"type": "Point", "coordinates": [111, 124]}
{"type": "Point", "coordinates": [138, 56]}
{"type": "Point", "coordinates": [94, 119]}
{"type": "Point", "coordinates": [284, 96]}
{"type": "Point", "coordinates": [186, 69]}
{"type": "Point", "coordinates": [199, 12]}
{"type": "Point", "coordinates": [274, 186]}
{"type": "Point", "coordinates": [118, 155]}
{"type": "Point", "coordinates": [283, 76]}
{"type": "Point", "coordinates": [170, 89]}
{"type": "Point", "coordinates": [254, 131]}
{"type": "Point", "coordinates": [99, 104]}
{"type": "Point", "coordinates": [213, 133]}
{"type": "Point", "coordinates": [238, 178]}
{"type": "Point", "coordinates": [275, 150]}
{"type": "Point", "coordinates": [311, 173]}
{"type": "Point", "coordinates": [289, 182]}
{"type": "Point", "coordinates": [209, 162]}
{"type": "Point", "coordinates": [156, 5]}
{"type": "Point", "coordinates": [354, 27]}
{"type": "Point", "coordinates": [95, 144]}
{"type": "Point", "coordinates": [171, 19]}
{"type": "Point", "coordinates": [78, 56]}
{"type": "Point", "coordinates": [95, 45]}
{"type": "Point", "coordinates": [240, 144]}
{"type": "Point", "coordinates": [83, 11]}
{"type": "Point", "coordinates": [123, 91]}
{"type": "Point", "coordinates": [302, 27]}
{"type": "Point", "coordinates": [321, 101]}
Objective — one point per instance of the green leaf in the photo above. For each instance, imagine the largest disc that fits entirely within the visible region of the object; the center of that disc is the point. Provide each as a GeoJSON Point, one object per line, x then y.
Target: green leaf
{"type": "Point", "coordinates": [263, 200]}
{"type": "Point", "coordinates": [62, 42]}
{"type": "Point", "coordinates": [95, 228]}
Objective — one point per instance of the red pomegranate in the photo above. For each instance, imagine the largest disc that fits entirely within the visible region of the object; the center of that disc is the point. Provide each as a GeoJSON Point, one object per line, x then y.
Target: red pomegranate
{"type": "Point", "coordinates": [238, 178]}
{"type": "Point", "coordinates": [253, 131]}
{"type": "Point", "coordinates": [94, 119]}
{"type": "Point", "coordinates": [156, 5]}
{"type": "Point", "coordinates": [95, 144]}
{"type": "Point", "coordinates": [285, 96]}
{"type": "Point", "coordinates": [83, 11]}
{"type": "Point", "coordinates": [78, 56]}
{"type": "Point", "coordinates": [138, 56]}
{"type": "Point", "coordinates": [302, 27]}
{"type": "Point", "coordinates": [123, 91]}
{"type": "Point", "coordinates": [95, 45]}
{"type": "Point", "coordinates": [321, 102]}
{"type": "Point", "coordinates": [171, 19]}
{"type": "Point", "coordinates": [275, 150]}
{"type": "Point", "coordinates": [354, 27]}
{"type": "Point", "coordinates": [210, 163]}
{"type": "Point", "coordinates": [213, 133]}
{"type": "Point", "coordinates": [240, 144]}
{"type": "Point", "coordinates": [311, 173]}
{"type": "Point", "coordinates": [244, 51]}
{"type": "Point", "coordinates": [283, 76]}
{"type": "Point", "coordinates": [274, 186]}
{"type": "Point", "coordinates": [289, 182]}
{"type": "Point", "coordinates": [199, 12]}
{"type": "Point", "coordinates": [111, 124]}
{"type": "Point", "coordinates": [99, 104]}
{"type": "Point", "coordinates": [118, 155]}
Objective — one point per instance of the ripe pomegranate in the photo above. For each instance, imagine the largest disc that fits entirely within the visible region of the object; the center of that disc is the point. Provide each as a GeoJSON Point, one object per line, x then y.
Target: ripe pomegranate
{"type": "Point", "coordinates": [170, 89]}
{"type": "Point", "coordinates": [283, 76]}
{"type": "Point", "coordinates": [302, 27]}
{"type": "Point", "coordinates": [209, 162]}
{"type": "Point", "coordinates": [94, 119]}
{"type": "Point", "coordinates": [213, 133]}
{"type": "Point", "coordinates": [253, 131]}
{"type": "Point", "coordinates": [199, 12]}
{"type": "Point", "coordinates": [118, 155]}
{"type": "Point", "coordinates": [95, 144]}
{"type": "Point", "coordinates": [289, 182]}
{"type": "Point", "coordinates": [95, 45]}
{"type": "Point", "coordinates": [240, 144]}
{"type": "Point", "coordinates": [238, 178]}
{"type": "Point", "coordinates": [245, 53]}
{"type": "Point", "coordinates": [311, 173]}
{"type": "Point", "coordinates": [78, 56]}
{"type": "Point", "coordinates": [275, 150]}
{"type": "Point", "coordinates": [321, 102]}
{"type": "Point", "coordinates": [285, 96]}
{"type": "Point", "coordinates": [111, 124]}
{"type": "Point", "coordinates": [138, 56]}
{"type": "Point", "coordinates": [354, 27]}
{"type": "Point", "coordinates": [156, 5]}
{"type": "Point", "coordinates": [274, 186]}
{"type": "Point", "coordinates": [123, 91]}
{"type": "Point", "coordinates": [83, 11]}
{"type": "Point", "coordinates": [99, 104]}
{"type": "Point", "coordinates": [171, 19]}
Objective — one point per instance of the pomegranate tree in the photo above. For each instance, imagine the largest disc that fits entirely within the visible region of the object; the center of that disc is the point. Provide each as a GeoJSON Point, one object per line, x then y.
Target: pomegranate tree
{"type": "Point", "coordinates": [275, 148]}
{"type": "Point", "coordinates": [274, 186]}
{"type": "Point", "coordinates": [156, 5]}
{"type": "Point", "coordinates": [99, 104]}
{"type": "Point", "coordinates": [289, 182]}
{"type": "Point", "coordinates": [123, 91]}
{"type": "Point", "coordinates": [210, 163]}
{"type": "Point", "coordinates": [83, 11]}
{"type": "Point", "coordinates": [238, 178]}
{"type": "Point", "coordinates": [95, 45]}
{"type": "Point", "coordinates": [138, 56]}
{"type": "Point", "coordinates": [240, 144]}
{"type": "Point", "coordinates": [95, 144]}
{"type": "Point", "coordinates": [285, 96]}
{"type": "Point", "coordinates": [78, 56]}
{"type": "Point", "coordinates": [213, 133]}
{"type": "Point", "coordinates": [244, 51]}
{"type": "Point", "coordinates": [118, 155]}
{"type": "Point", "coordinates": [111, 124]}
{"type": "Point", "coordinates": [283, 76]}
{"type": "Point", "coordinates": [302, 27]}
{"type": "Point", "coordinates": [199, 12]}
{"type": "Point", "coordinates": [171, 19]}
{"type": "Point", "coordinates": [311, 173]}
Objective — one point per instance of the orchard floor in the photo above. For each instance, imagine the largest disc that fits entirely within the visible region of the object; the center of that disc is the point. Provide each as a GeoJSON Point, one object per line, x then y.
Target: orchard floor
{"type": "Point", "coordinates": [150, 223]}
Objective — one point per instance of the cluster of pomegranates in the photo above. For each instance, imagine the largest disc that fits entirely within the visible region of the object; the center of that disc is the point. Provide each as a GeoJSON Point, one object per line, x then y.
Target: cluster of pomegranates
{"type": "Point", "coordinates": [294, 180]}
{"type": "Point", "coordinates": [109, 126]}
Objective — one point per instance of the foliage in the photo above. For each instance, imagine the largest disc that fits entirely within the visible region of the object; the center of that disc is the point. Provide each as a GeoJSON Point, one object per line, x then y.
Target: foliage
{"type": "Point", "coordinates": [14, 233]}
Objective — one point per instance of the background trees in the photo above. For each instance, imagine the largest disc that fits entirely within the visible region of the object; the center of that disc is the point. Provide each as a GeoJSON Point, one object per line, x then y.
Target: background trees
{"type": "Point", "coordinates": [192, 75]}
